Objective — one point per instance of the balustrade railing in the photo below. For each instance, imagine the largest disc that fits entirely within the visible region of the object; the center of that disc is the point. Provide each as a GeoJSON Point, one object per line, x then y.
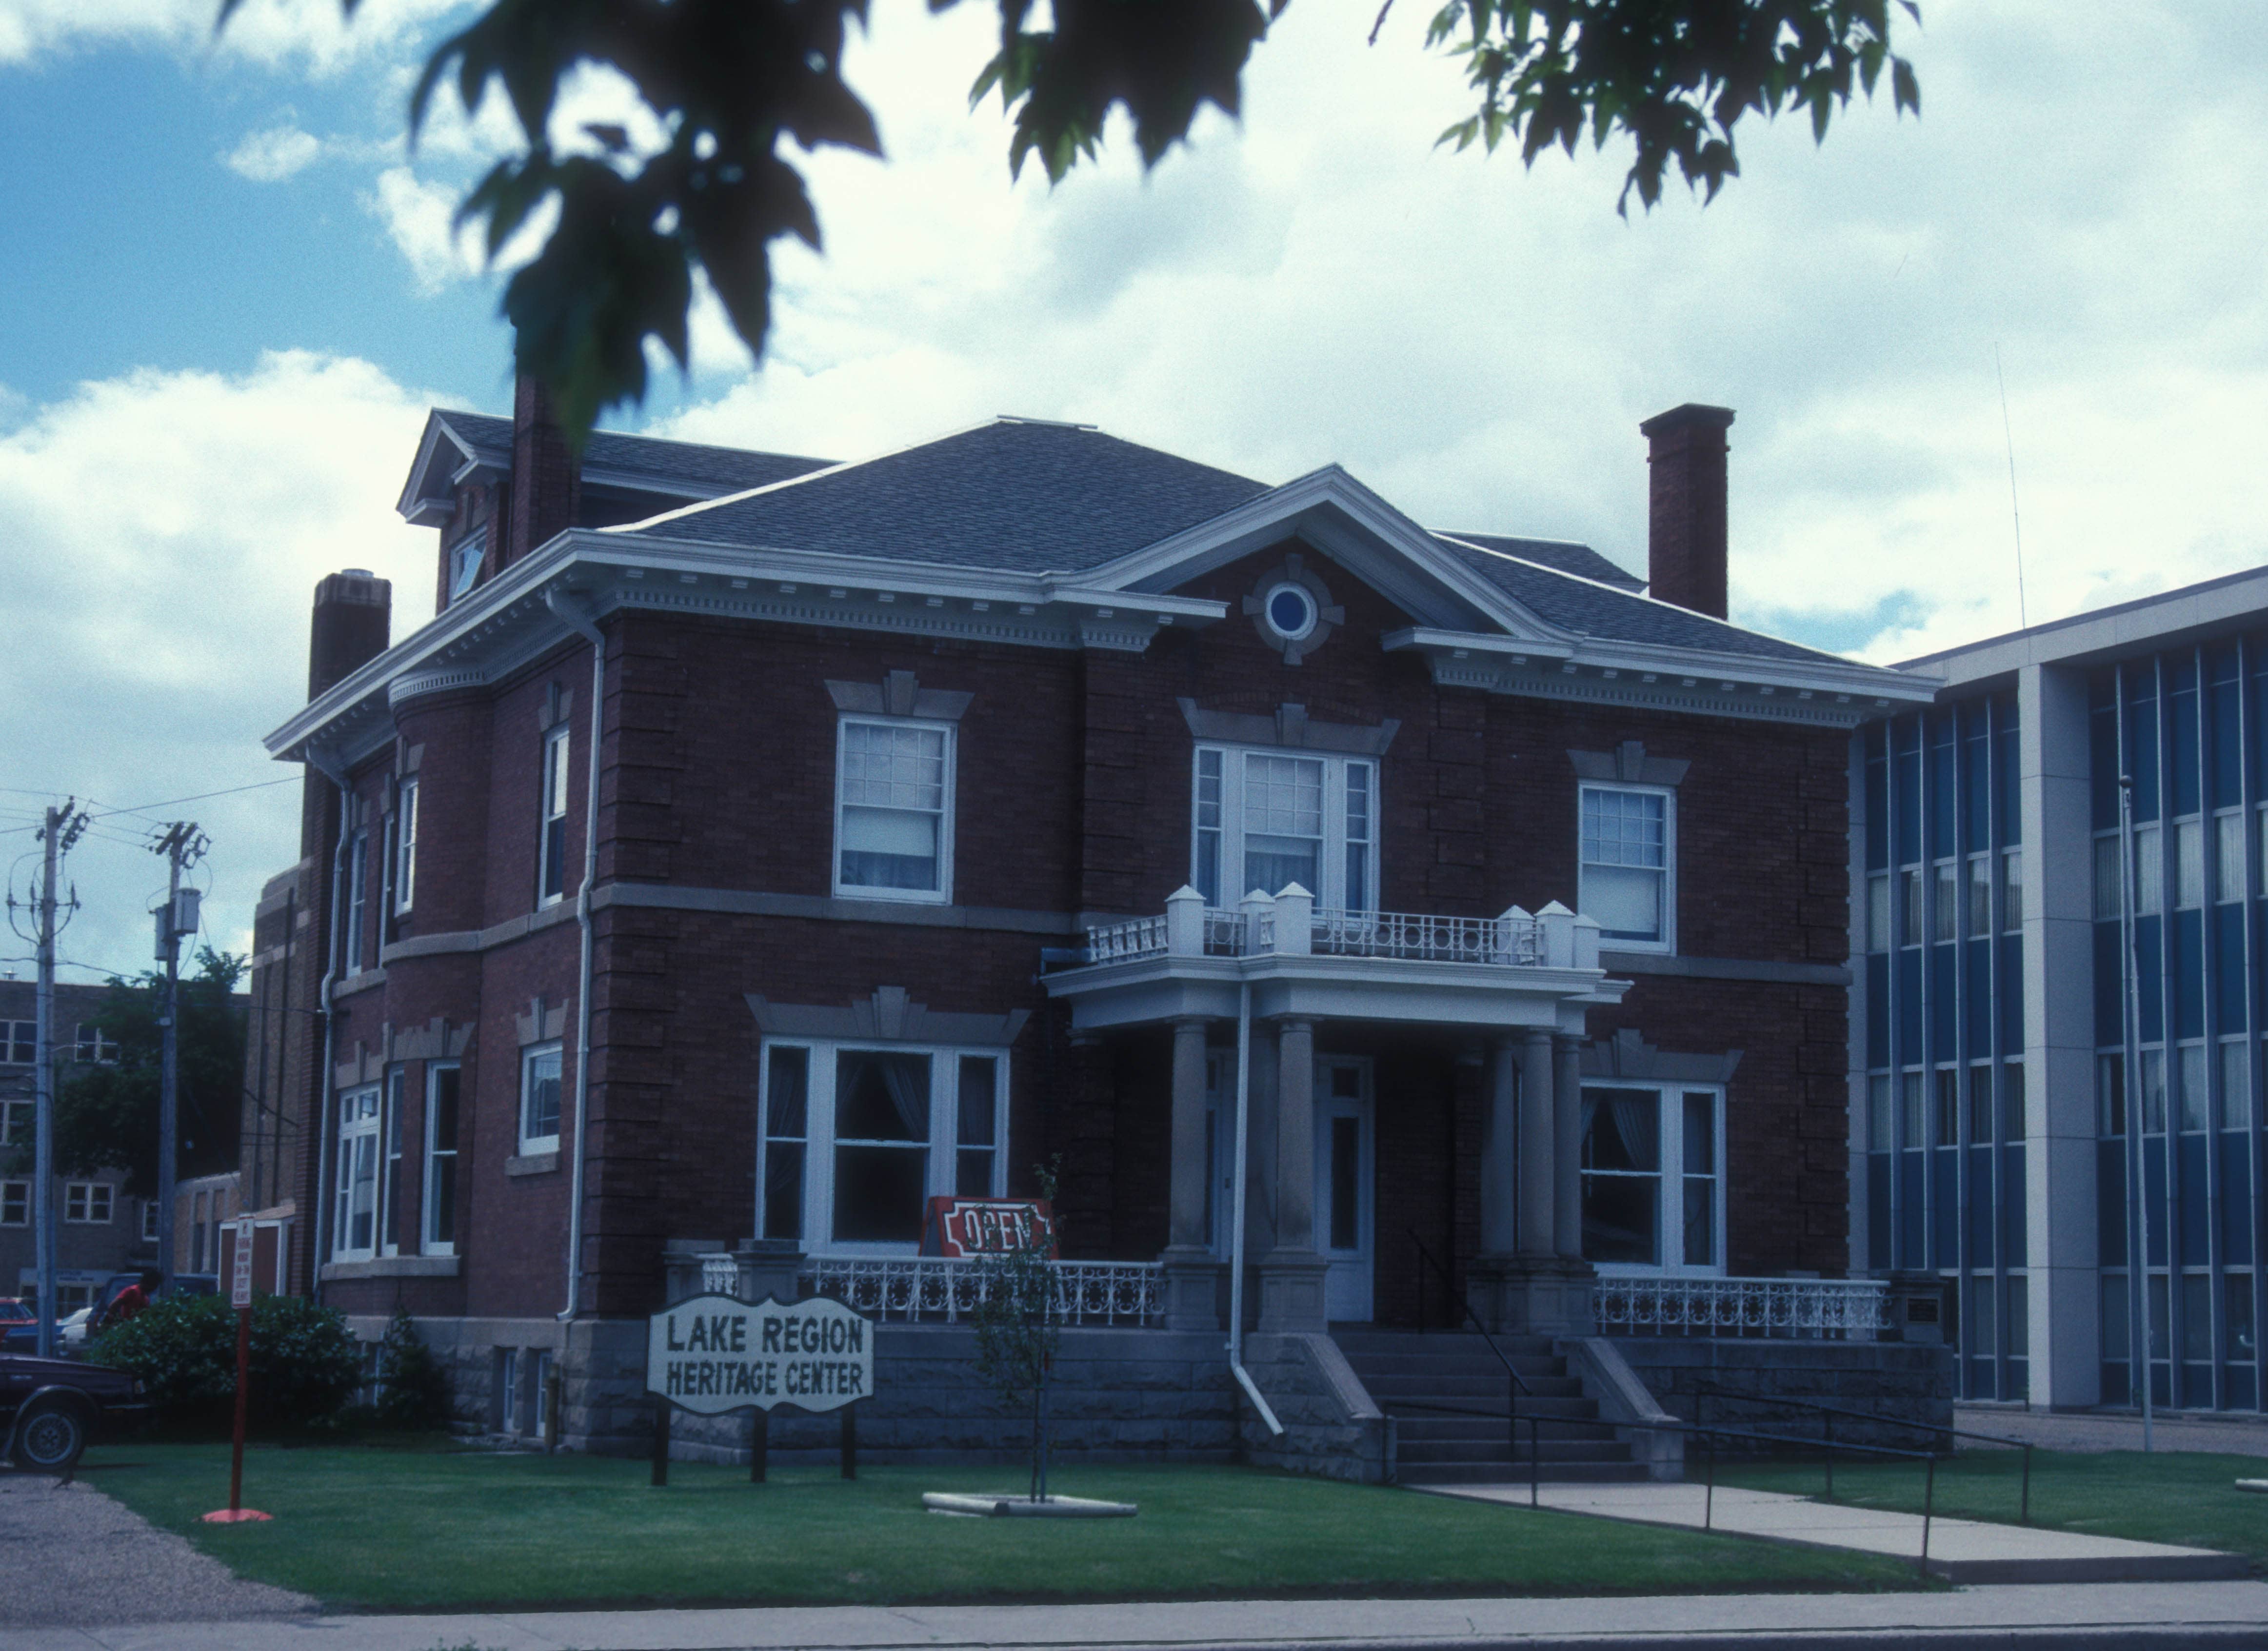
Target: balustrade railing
{"type": "Point", "coordinates": [945, 1289]}
{"type": "Point", "coordinates": [1514, 939]}
{"type": "Point", "coordinates": [1799, 1308]}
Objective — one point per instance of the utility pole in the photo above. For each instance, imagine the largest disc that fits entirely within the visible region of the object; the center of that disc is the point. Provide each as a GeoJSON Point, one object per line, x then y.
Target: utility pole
{"type": "Point", "coordinates": [63, 828]}
{"type": "Point", "coordinates": [182, 845]}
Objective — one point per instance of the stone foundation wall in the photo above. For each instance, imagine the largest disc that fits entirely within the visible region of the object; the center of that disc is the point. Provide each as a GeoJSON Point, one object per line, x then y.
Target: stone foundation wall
{"type": "Point", "coordinates": [1896, 1382]}
{"type": "Point", "coordinates": [1331, 1428]}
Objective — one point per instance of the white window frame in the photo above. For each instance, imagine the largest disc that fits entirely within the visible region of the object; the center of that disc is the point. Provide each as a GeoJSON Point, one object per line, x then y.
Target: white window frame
{"type": "Point", "coordinates": [942, 895]}
{"type": "Point", "coordinates": [555, 776]}
{"type": "Point", "coordinates": [818, 1132]}
{"type": "Point", "coordinates": [427, 1203]}
{"type": "Point", "coordinates": [532, 1145]}
{"type": "Point", "coordinates": [405, 848]}
{"type": "Point", "coordinates": [25, 1036]}
{"type": "Point", "coordinates": [91, 1045]}
{"type": "Point", "coordinates": [1336, 846]}
{"type": "Point", "coordinates": [95, 1203]}
{"type": "Point", "coordinates": [358, 901]}
{"type": "Point", "coordinates": [465, 558]}
{"type": "Point", "coordinates": [148, 1220]}
{"type": "Point", "coordinates": [17, 1196]}
{"type": "Point", "coordinates": [18, 1119]}
{"type": "Point", "coordinates": [361, 1142]}
{"type": "Point", "coordinates": [1667, 942]}
{"type": "Point", "coordinates": [1669, 1215]}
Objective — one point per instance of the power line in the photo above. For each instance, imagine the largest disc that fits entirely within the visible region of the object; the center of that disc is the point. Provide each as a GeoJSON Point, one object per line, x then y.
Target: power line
{"type": "Point", "coordinates": [286, 779]}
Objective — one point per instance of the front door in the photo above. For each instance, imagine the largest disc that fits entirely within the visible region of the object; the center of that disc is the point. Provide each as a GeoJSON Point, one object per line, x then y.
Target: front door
{"type": "Point", "coordinates": [1343, 1202]}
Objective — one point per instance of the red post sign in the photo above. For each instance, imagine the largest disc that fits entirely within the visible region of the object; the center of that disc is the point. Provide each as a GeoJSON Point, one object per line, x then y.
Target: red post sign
{"type": "Point", "coordinates": [239, 1295]}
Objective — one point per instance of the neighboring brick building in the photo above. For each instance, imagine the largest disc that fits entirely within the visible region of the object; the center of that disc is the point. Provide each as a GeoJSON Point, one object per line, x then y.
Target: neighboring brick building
{"type": "Point", "coordinates": [925, 792]}
{"type": "Point", "coordinates": [100, 1229]}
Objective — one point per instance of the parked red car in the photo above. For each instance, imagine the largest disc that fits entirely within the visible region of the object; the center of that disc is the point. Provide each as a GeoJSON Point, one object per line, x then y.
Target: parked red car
{"type": "Point", "coordinates": [14, 1309]}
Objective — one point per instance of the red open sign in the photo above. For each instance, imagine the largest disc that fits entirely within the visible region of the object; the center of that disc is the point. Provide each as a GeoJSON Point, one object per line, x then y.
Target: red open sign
{"type": "Point", "coordinates": [987, 1226]}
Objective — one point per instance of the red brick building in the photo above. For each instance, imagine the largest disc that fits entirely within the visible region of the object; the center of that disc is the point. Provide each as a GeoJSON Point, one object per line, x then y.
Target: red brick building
{"type": "Point", "coordinates": [753, 848]}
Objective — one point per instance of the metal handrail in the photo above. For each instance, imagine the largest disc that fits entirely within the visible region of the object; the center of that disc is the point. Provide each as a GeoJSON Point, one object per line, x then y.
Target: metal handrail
{"type": "Point", "coordinates": [1707, 1390]}
{"type": "Point", "coordinates": [1458, 1296]}
{"type": "Point", "coordinates": [1711, 1436]}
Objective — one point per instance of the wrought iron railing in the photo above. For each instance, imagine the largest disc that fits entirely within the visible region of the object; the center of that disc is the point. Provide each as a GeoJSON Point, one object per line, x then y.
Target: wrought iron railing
{"type": "Point", "coordinates": [946, 1290]}
{"type": "Point", "coordinates": [1799, 1308]}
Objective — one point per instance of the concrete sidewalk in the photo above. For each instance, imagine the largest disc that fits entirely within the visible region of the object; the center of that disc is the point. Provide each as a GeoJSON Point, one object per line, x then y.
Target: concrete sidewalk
{"type": "Point", "coordinates": [1960, 1549]}
{"type": "Point", "coordinates": [2098, 1431]}
{"type": "Point", "coordinates": [2101, 1617]}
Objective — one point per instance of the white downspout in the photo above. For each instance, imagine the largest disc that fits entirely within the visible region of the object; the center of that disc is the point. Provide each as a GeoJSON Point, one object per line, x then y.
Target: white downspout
{"type": "Point", "coordinates": [319, 1241]}
{"type": "Point", "coordinates": [571, 613]}
{"type": "Point", "coordinates": [1236, 1234]}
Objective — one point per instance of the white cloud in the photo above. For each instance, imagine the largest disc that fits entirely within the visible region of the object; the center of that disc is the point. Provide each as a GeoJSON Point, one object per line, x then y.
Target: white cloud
{"type": "Point", "coordinates": [166, 531]}
{"type": "Point", "coordinates": [309, 35]}
{"type": "Point", "coordinates": [1480, 341]}
{"type": "Point", "coordinates": [274, 155]}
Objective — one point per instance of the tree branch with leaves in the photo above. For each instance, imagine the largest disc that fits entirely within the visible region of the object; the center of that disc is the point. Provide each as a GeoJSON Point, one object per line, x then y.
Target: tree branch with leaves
{"type": "Point", "coordinates": [732, 84]}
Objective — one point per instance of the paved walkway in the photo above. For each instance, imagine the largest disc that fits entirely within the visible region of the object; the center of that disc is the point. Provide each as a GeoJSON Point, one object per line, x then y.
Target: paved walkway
{"type": "Point", "coordinates": [1961, 1550]}
{"type": "Point", "coordinates": [2115, 1430]}
{"type": "Point", "coordinates": [69, 1554]}
{"type": "Point", "coordinates": [2110, 1616]}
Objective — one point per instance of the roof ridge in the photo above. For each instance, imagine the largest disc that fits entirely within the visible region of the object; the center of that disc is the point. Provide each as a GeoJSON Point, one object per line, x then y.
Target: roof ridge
{"type": "Point", "coordinates": [1637, 596]}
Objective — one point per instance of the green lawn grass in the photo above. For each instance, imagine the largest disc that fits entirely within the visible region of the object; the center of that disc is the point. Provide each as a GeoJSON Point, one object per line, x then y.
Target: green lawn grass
{"type": "Point", "coordinates": [2187, 1497]}
{"type": "Point", "coordinates": [389, 1529]}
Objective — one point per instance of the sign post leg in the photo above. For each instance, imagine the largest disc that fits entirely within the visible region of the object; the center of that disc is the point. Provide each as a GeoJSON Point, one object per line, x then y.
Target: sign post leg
{"type": "Point", "coordinates": [240, 1298]}
{"type": "Point", "coordinates": [660, 1440]}
{"type": "Point", "coordinates": [760, 1445]}
{"type": "Point", "coordinates": [849, 1441]}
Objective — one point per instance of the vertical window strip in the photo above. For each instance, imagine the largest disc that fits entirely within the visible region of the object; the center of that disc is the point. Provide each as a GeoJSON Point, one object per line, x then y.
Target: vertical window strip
{"type": "Point", "coordinates": [1358, 896]}
{"type": "Point", "coordinates": [443, 1093]}
{"type": "Point", "coordinates": [405, 872]}
{"type": "Point", "coordinates": [1208, 827]}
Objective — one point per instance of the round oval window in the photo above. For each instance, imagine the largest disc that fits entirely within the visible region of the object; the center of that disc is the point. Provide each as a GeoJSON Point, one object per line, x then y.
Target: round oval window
{"type": "Point", "coordinates": [1291, 611]}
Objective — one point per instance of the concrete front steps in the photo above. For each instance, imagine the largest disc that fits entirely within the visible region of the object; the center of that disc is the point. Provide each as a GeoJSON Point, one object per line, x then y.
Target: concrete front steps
{"type": "Point", "coordinates": [1409, 1371]}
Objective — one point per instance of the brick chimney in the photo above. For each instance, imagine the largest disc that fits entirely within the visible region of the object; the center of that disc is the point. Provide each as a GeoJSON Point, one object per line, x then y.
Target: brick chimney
{"type": "Point", "coordinates": [1685, 515]}
{"type": "Point", "coordinates": [547, 479]}
{"type": "Point", "coordinates": [354, 616]}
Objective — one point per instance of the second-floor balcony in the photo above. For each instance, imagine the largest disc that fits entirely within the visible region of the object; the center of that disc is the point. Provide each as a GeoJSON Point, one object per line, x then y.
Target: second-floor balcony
{"type": "Point", "coordinates": [1519, 969]}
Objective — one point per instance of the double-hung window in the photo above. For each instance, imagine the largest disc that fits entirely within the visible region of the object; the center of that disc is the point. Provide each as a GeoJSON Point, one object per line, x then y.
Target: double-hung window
{"type": "Point", "coordinates": [16, 1122]}
{"type": "Point", "coordinates": [95, 1046]}
{"type": "Point", "coordinates": [465, 563]}
{"type": "Point", "coordinates": [440, 1201]}
{"type": "Point", "coordinates": [1654, 1182]}
{"type": "Point", "coordinates": [20, 1044]}
{"type": "Point", "coordinates": [1264, 819]}
{"type": "Point", "coordinates": [15, 1204]}
{"type": "Point", "coordinates": [405, 848]}
{"type": "Point", "coordinates": [1629, 860]}
{"type": "Point", "coordinates": [856, 1140]}
{"type": "Point", "coordinates": [87, 1202]}
{"type": "Point", "coordinates": [551, 843]}
{"type": "Point", "coordinates": [354, 1229]}
{"type": "Point", "coordinates": [894, 810]}
{"type": "Point", "coordinates": [358, 901]}
{"type": "Point", "coordinates": [539, 1099]}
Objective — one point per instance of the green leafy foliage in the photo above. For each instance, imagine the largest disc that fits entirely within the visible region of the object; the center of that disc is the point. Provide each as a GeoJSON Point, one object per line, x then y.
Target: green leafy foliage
{"type": "Point", "coordinates": [106, 1117]}
{"type": "Point", "coordinates": [413, 1389]}
{"type": "Point", "coordinates": [1675, 75]}
{"type": "Point", "coordinates": [730, 85]}
{"type": "Point", "coordinates": [1018, 1324]}
{"type": "Point", "coordinates": [305, 1365]}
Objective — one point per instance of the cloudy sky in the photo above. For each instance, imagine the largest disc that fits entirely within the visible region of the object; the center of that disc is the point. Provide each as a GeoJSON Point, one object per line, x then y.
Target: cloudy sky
{"type": "Point", "coordinates": [232, 294]}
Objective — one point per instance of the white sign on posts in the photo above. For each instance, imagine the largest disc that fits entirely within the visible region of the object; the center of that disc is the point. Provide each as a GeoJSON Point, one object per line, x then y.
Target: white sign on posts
{"type": "Point", "coordinates": [240, 1274]}
{"type": "Point", "coordinates": [712, 1355]}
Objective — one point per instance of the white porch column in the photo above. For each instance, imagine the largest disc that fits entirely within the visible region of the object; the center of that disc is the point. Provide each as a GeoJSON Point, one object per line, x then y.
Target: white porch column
{"type": "Point", "coordinates": [1192, 1273]}
{"type": "Point", "coordinates": [1500, 1149]}
{"type": "Point", "coordinates": [1538, 1185]}
{"type": "Point", "coordinates": [1291, 1276]}
{"type": "Point", "coordinates": [1567, 1148]}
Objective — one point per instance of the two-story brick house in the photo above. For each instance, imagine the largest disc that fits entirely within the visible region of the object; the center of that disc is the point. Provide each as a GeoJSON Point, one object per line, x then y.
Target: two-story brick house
{"type": "Point", "coordinates": [751, 848]}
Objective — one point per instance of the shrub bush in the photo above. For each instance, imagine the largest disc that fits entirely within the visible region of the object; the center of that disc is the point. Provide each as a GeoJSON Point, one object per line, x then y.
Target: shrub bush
{"type": "Point", "coordinates": [414, 1390]}
{"type": "Point", "coordinates": [305, 1364]}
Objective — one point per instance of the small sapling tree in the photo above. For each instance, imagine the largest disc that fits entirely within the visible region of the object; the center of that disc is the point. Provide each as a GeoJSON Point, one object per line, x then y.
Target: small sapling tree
{"type": "Point", "coordinates": [1018, 1324]}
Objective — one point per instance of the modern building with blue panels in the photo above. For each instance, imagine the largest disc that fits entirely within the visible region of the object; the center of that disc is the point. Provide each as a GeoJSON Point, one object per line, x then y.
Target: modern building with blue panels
{"type": "Point", "coordinates": [2057, 900]}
